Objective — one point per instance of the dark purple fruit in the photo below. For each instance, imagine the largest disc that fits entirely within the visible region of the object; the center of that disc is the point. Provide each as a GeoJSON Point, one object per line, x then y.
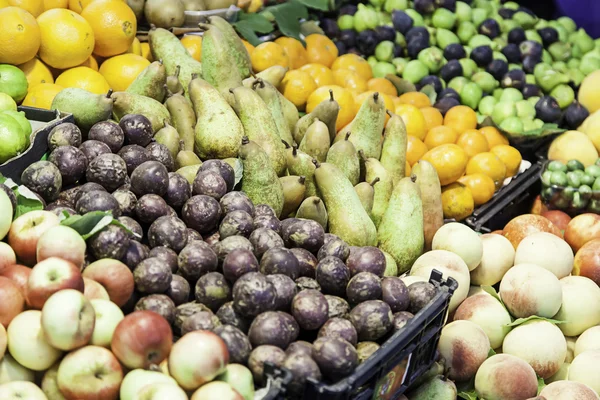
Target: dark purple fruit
{"type": "Point", "coordinates": [285, 289]}
{"type": "Point", "coordinates": [227, 245]}
{"type": "Point", "coordinates": [424, 6]}
{"type": "Point", "coordinates": [338, 307]}
{"type": "Point", "coordinates": [385, 33]}
{"type": "Point", "coordinates": [401, 319]}
{"type": "Point", "coordinates": [447, 4]}
{"type": "Point", "coordinates": [151, 177]}
{"type": "Point", "coordinates": [372, 320]}
{"type": "Point", "coordinates": [152, 276]}
{"type": "Point", "coordinates": [497, 68]}
{"type": "Point", "coordinates": [160, 153]}
{"type": "Point", "coordinates": [366, 41]}
{"type": "Point", "coordinates": [93, 148]}
{"type": "Point", "coordinates": [168, 231]}
{"type": "Point", "coordinates": [65, 134]}
{"type": "Point", "coordinates": [547, 109]}
{"type": "Point", "coordinates": [267, 221]}
{"type": "Point", "coordinates": [490, 28]}
{"type": "Point", "coordinates": [236, 223]}
{"type": "Point", "coordinates": [506, 13]}
{"type": "Point", "coordinates": [71, 163]}
{"type": "Point", "coordinates": [333, 276]}
{"type": "Point", "coordinates": [137, 129]}
{"type": "Point", "coordinates": [135, 254]}
{"type": "Point", "coordinates": [203, 320]}
{"type": "Point", "coordinates": [179, 290]}
{"type": "Point", "coordinates": [348, 37]}
{"type": "Point", "coordinates": [531, 90]}
{"type": "Point", "coordinates": [362, 287]}
{"type": "Point", "coordinates": [307, 262]}
{"type": "Point", "coordinates": [209, 183]}
{"type": "Point", "coordinates": [454, 51]}
{"type": "Point", "coordinates": [306, 234]}
{"type": "Point", "coordinates": [237, 343]}
{"type": "Point", "coordinates": [150, 207]}
{"type": "Point", "coordinates": [450, 70]}
{"type": "Point", "coordinates": [159, 303]}
{"type": "Point", "coordinates": [133, 155]}
{"type": "Point", "coordinates": [44, 178]}
{"type": "Point", "coordinates": [233, 201]}
{"type": "Point", "coordinates": [529, 63]}
{"type": "Point", "coordinates": [263, 209]}
{"type": "Point", "coordinates": [449, 93]}
{"type": "Point", "coordinates": [109, 170]}
{"type": "Point", "coordinates": [300, 347]}
{"type": "Point", "coordinates": [482, 55]}
{"type": "Point", "coordinates": [274, 328]}
{"type": "Point", "coordinates": [201, 213]}
{"type": "Point", "coordinates": [185, 310]}
{"type": "Point", "coordinates": [445, 104]}
{"type": "Point", "coordinates": [512, 53]}
{"type": "Point", "coordinates": [516, 36]}
{"type": "Point", "coordinates": [193, 235]}
{"type": "Point", "coordinates": [339, 327]}
{"type": "Point", "coordinates": [432, 80]}
{"type": "Point", "coordinates": [263, 239]}
{"type": "Point", "coordinates": [515, 78]}
{"type": "Point", "coordinates": [237, 263]}
{"type": "Point", "coordinates": [279, 261]}
{"type": "Point", "coordinates": [272, 354]}
{"type": "Point", "coordinates": [420, 294]}
{"type": "Point", "coordinates": [310, 309]}
{"type": "Point", "coordinates": [305, 283]}
{"type": "Point", "coordinates": [178, 191]}
{"type": "Point", "coordinates": [348, 9]}
{"type": "Point", "coordinates": [335, 356]}
{"type": "Point", "coordinates": [196, 259]}
{"type": "Point", "coordinates": [575, 114]}
{"type": "Point", "coordinates": [167, 255]}
{"type": "Point", "coordinates": [253, 294]}
{"type": "Point", "coordinates": [110, 242]}
{"type": "Point", "coordinates": [223, 169]}
{"type": "Point", "coordinates": [366, 259]}
{"type": "Point", "coordinates": [97, 200]}
{"type": "Point", "coordinates": [228, 316]}
{"type": "Point", "coordinates": [108, 132]}
{"type": "Point", "coordinates": [417, 32]}
{"type": "Point", "coordinates": [212, 290]}
{"type": "Point", "coordinates": [402, 21]}
{"type": "Point", "coordinates": [127, 201]}
{"type": "Point", "coordinates": [329, 27]}
{"type": "Point", "coordinates": [549, 35]}
{"type": "Point", "coordinates": [395, 293]}
{"type": "Point", "coordinates": [417, 44]}
{"type": "Point", "coordinates": [334, 248]}
{"type": "Point", "coordinates": [531, 48]}
{"type": "Point", "coordinates": [302, 367]}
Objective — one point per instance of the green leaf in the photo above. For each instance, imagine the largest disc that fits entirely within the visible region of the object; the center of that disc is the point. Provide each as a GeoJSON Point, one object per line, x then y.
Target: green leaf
{"type": "Point", "coordinates": [429, 90]}
{"type": "Point", "coordinates": [471, 395]}
{"type": "Point", "coordinates": [44, 157]}
{"type": "Point", "coordinates": [287, 17]}
{"type": "Point", "coordinates": [491, 352]}
{"type": "Point", "coordinates": [91, 223]}
{"type": "Point", "coordinates": [322, 5]}
{"type": "Point", "coordinates": [246, 31]}
{"type": "Point", "coordinates": [521, 321]}
{"type": "Point", "coordinates": [238, 171]}
{"type": "Point", "coordinates": [541, 384]}
{"type": "Point", "coordinates": [26, 200]}
{"type": "Point", "coordinates": [256, 22]}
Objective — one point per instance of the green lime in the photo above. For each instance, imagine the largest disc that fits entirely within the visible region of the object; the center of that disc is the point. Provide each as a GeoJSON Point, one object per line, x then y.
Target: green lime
{"type": "Point", "coordinates": [443, 18]}
{"type": "Point", "coordinates": [578, 201]}
{"type": "Point", "coordinates": [596, 185]}
{"type": "Point", "coordinates": [12, 139]}
{"type": "Point", "coordinates": [503, 110]}
{"type": "Point", "coordinates": [580, 174]}
{"type": "Point", "coordinates": [574, 165]}
{"type": "Point", "coordinates": [558, 178]}
{"type": "Point", "coordinates": [557, 166]}
{"type": "Point", "coordinates": [511, 94]}
{"type": "Point", "coordinates": [587, 179]}
{"type": "Point", "coordinates": [585, 191]}
{"type": "Point", "coordinates": [512, 125]}
{"type": "Point", "coordinates": [593, 170]}
{"type": "Point", "coordinates": [13, 82]}
{"type": "Point", "coordinates": [573, 180]}
{"type": "Point", "coordinates": [346, 22]}
{"type": "Point", "coordinates": [20, 117]}
{"type": "Point", "coordinates": [525, 109]}
{"type": "Point", "coordinates": [414, 71]}
{"type": "Point", "coordinates": [546, 177]}
{"type": "Point", "coordinates": [381, 69]}
{"type": "Point", "coordinates": [7, 103]}
{"type": "Point", "coordinates": [568, 193]}
{"type": "Point", "coordinates": [486, 105]}
{"type": "Point", "coordinates": [547, 193]}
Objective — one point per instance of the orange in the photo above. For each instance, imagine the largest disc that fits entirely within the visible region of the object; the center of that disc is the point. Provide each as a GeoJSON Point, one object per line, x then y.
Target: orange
{"type": "Point", "coordinates": [121, 71]}
{"type": "Point", "coordinates": [248, 47]}
{"type": "Point", "coordinates": [341, 95]}
{"type": "Point", "coordinates": [360, 99]}
{"type": "Point", "coordinates": [493, 136]}
{"type": "Point", "coordinates": [482, 187]}
{"type": "Point", "coordinates": [90, 62]}
{"type": "Point", "coordinates": [355, 63]}
{"type": "Point", "coordinates": [510, 157]}
{"type": "Point", "coordinates": [382, 85]}
{"type": "Point", "coordinates": [33, 7]}
{"type": "Point", "coordinates": [349, 80]}
{"type": "Point", "coordinates": [193, 44]}
{"type": "Point", "coordinates": [41, 95]}
{"type": "Point", "coordinates": [407, 169]}
{"type": "Point", "coordinates": [440, 135]}
{"type": "Point", "coordinates": [457, 201]}
{"type": "Point", "coordinates": [267, 54]}
{"type": "Point", "coordinates": [320, 49]}
{"type": "Point", "coordinates": [79, 5]}
{"type": "Point", "coordinates": [36, 72]}
{"type": "Point", "coordinates": [415, 149]}
{"type": "Point", "coordinates": [296, 86]}
{"type": "Point", "coordinates": [146, 53]}
{"type": "Point", "coordinates": [136, 47]}
{"type": "Point", "coordinates": [417, 99]}
{"type": "Point", "coordinates": [449, 161]}
{"type": "Point", "coordinates": [49, 4]}
{"type": "Point", "coordinates": [433, 117]}
{"type": "Point", "coordinates": [413, 119]}
{"type": "Point", "coordinates": [461, 118]}
{"type": "Point", "coordinates": [295, 51]}
{"type": "Point", "coordinates": [114, 25]}
{"type": "Point", "coordinates": [320, 73]}
{"type": "Point", "coordinates": [20, 37]}
{"type": "Point", "coordinates": [67, 38]}
{"type": "Point", "coordinates": [473, 142]}
{"type": "Point", "coordinates": [489, 164]}
{"type": "Point", "coordinates": [83, 78]}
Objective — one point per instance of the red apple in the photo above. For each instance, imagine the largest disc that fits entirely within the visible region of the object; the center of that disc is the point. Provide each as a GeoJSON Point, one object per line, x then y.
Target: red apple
{"type": "Point", "coordinates": [559, 218]}
{"type": "Point", "coordinates": [141, 339]}
{"type": "Point", "coordinates": [7, 256]}
{"type": "Point", "coordinates": [26, 230]}
{"type": "Point", "coordinates": [62, 242]}
{"type": "Point", "coordinates": [116, 278]}
{"type": "Point", "coordinates": [12, 301]}
{"type": "Point", "coordinates": [94, 290]}
{"type": "Point", "coordinates": [19, 274]}
{"type": "Point", "coordinates": [524, 225]}
{"type": "Point", "coordinates": [50, 276]}
{"type": "Point", "coordinates": [582, 229]}
{"type": "Point", "coordinates": [587, 261]}
{"type": "Point", "coordinates": [91, 372]}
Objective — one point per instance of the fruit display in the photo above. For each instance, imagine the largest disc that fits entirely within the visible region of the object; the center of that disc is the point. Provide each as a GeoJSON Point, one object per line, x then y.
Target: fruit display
{"type": "Point", "coordinates": [571, 186]}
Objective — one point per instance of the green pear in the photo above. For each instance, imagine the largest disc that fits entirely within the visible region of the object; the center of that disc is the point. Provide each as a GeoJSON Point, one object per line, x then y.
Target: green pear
{"type": "Point", "coordinates": [189, 172]}
{"type": "Point", "coordinates": [169, 137]}
{"type": "Point", "coordinates": [316, 141]}
{"type": "Point", "coordinates": [150, 82]}
{"type": "Point", "coordinates": [183, 117]}
{"type": "Point", "coordinates": [400, 232]}
{"type": "Point", "coordinates": [270, 96]}
{"type": "Point", "coordinates": [347, 216]}
{"type": "Point", "coordinates": [130, 103]}
{"type": "Point", "coordinates": [87, 108]}
{"type": "Point", "coordinates": [438, 388]}
{"type": "Point", "coordinates": [366, 194]}
{"type": "Point", "coordinates": [431, 196]}
{"type": "Point", "coordinates": [343, 155]}
{"type": "Point", "coordinates": [259, 180]}
{"type": "Point", "coordinates": [235, 46]}
{"type": "Point", "coordinates": [290, 112]}
{"type": "Point", "coordinates": [391, 268]}
{"type": "Point", "coordinates": [274, 75]}
{"type": "Point", "coordinates": [299, 163]}
{"type": "Point", "coordinates": [218, 131]}
{"type": "Point", "coordinates": [383, 187]}
{"type": "Point", "coordinates": [393, 151]}
{"type": "Point", "coordinates": [294, 189]}
{"type": "Point", "coordinates": [185, 158]}
{"type": "Point", "coordinates": [173, 84]}
{"type": "Point", "coordinates": [313, 208]}
{"type": "Point", "coordinates": [326, 112]}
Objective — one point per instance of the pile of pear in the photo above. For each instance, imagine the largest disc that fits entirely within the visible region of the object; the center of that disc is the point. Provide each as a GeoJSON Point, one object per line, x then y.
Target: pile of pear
{"type": "Point", "coordinates": [353, 182]}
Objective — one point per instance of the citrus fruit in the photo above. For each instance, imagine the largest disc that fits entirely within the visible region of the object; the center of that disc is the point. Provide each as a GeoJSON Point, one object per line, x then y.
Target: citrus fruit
{"type": "Point", "coordinates": [49, 4]}
{"type": "Point", "coordinates": [33, 7]}
{"type": "Point", "coordinates": [359, 99]}
{"type": "Point", "coordinates": [449, 161]}
{"type": "Point", "coordinates": [489, 164]}
{"type": "Point", "coordinates": [473, 142]}
{"type": "Point", "coordinates": [296, 86]}
{"type": "Point", "coordinates": [267, 54]}
{"type": "Point", "coordinates": [407, 169]}
{"type": "Point", "coordinates": [341, 95]}
{"type": "Point", "coordinates": [41, 95]}
{"type": "Point", "coordinates": [417, 99]}
{"type": "Point", "coordinates": [114, 25]}
{"type": "Point", "coordinates": [461, 118]}
{"type": "Point", "coordinates": [193, 44]}
{"type": "Point", "coordinates": [36, 72]}
{"type": "Point", "coordinates": [13, 82]}
{"type": "Point", "coordinates": [4, 3]}
{"type": "Point", "coordinates": [67, 38]}
{"type": "Point", "coordinates": [493, 136]}
{"type": "Point", "coordinates": [355, 63]}
{"type": "Point", "coordinates": [350, 80]}
{"type": "Point", "coordinates": [320, 49]}
{"type": "Point", "coordinates": [415, 149]}
{"type": "Point", "coordinates": [146, 53]}
{"type": "Point", "coordinates": [320, 74]}
{"type": "Point", "coordinates": [510, 157]}
{"type": "Point", "coordinates": [79, 5]}
{"type": "Point", "coordinates": [7, 102]}
{"type": "Point", "coordinates": [295, 51]}
{"type": "Point", "coordinates": [482, 187]}
{"type": "Point", "coordinates": [457, 201]}
{"type": "Point", "coordinates": [440, 135]}
{"type": "Point", "coordinates": [382, 85]}
{"type": "Point", "coordinates": [121, 71]}
{"type": "Point", "coordinates": [20, 38]}
{"type": "Point", "coordinates": [248, 47]}
{"type": "Point", "coordinates": [12, 138]}
{"type": "Point", "coordinates": [90, 63]}
{"type": "Point", "coordinates": [413, 119]}
{"type": "Point", "coordinates": [136, 47]}
{"type": "Point", "coordinates": [83, 78]}
{"type": "Point", "coordinates": [588, 92]}
{"type": "Point", "coordinates": [433, 117]}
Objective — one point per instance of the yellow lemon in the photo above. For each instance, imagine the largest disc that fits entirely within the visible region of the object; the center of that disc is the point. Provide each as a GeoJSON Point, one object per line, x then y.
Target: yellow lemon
{"type": "Point", "coordinates": [121, 71]}
{"type": "Point", "coordinates": [41, 95]}
{"type": "Point", "coordinates": [83, 78]}
{"type": "Point", "coordinates": [36, 72]}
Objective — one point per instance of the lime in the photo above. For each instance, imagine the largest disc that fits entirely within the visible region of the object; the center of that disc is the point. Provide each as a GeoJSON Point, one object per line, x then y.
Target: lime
{"type": "Point", "coordinates": [13, 82]}
{"type": "Point", "coordinates": [587, 179]}
{"type": "Point", "coordinates": [580, 174]}
{"type": "Point", "coordinates": [574, 165]}
{"type": "Point", "coordinates": [558, 178]}
{"type": "Point", "coordinates": [20, 117]}
{"type": "Point", "coordinates": [503, 110]}
{"type": "Point", "coordinates": [596, 185]}
{"type": "Point", "coordinates": [573, 180]}
{"type": "Point", "coordinates": [557, 166]}
{"type": "Point", "coordinates": [511, 95]}
{"type": "Point", "coordinates": [593, 170]}
{"type": "Point", "coordinates": [12, 139]}
{"type": "Point", "coordinates": [512, 125]}
{"type": "Point", "coordinates": [7, 102]}
{"type": "Point", "coordinates": [546, 178]}
{"type": "Point", "coordinates": [568, 193]}
{"type": "Point", "coordinates": [585, 191]}
{"type": "Point", "coordinates": [594, 206]}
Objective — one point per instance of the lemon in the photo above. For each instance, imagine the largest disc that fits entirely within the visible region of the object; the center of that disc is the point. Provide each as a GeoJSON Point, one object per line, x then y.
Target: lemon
{"type": "Point", "coordinates": [36, 72]}
{"type": "Point", "coordinates": [121, 71]}
{"type": "Point", "coordinates": [83, 78]}
{"type": "Point", "coordinates": [41, 95]}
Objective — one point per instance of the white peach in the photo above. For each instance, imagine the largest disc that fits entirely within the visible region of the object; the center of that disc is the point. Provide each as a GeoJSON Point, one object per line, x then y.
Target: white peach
{"type": "Point", "coordinates": [548, 251]}
{"type": "Point", "coordinates": [497, 258]}
{"type": "Point", "coordinates": [461, 240]}
{"type": "Point", "coordinates": [464, 346]}
{"type": "Point", "coordinates": [580, 308]}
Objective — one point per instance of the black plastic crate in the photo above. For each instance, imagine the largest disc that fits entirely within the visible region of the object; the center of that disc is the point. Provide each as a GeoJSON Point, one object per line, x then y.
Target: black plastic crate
{"type": "Point", "coordinates": [514, 199]}
{"type": "Point", "coordinates": [14, 167]}
{"type": "Point", "coordinates": [402, 359]}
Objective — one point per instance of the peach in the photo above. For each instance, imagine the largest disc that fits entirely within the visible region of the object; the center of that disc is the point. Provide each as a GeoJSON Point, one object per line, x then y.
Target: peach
{"type": "Point", "coordinates": [565, 390]}
{"type": "Point", "coordinates": [461, 240]}
{"type": "Point", "coordinates": [580, 308]}
{"type": "Point", "coordinates": [588, 340]}
{"type": "Point", "coordinates": [585, 368]}
{"type": "Point", "coordinates": [524, 225]}
{"type": "Point", "coordinates": [571, 343]}
{"type": "Point", "coordinates": [548, 251]}
{"type": "Point", "coordinates": [498, 256]}
{"type": "Point", "coordinates": [559, 218]}
{"type": "Point", "coordinates": [587, 261]}
{"type": "Point", "coordinates": [504, 376]}
{"type": "Point", "coordinates": [561, 375]}
{"type": "Point", "coordinates": [7, 256]}
{"type": "Point", "coordinates": [528, 289]}
{"type": "Point", "coordinates": [464, 346]}
{"type": "Point", "coordinates": [582, 229]}
{"type": "Point", "coordinates": [540, 343]}
{"type": "Point", "coordinates": [487, 312]}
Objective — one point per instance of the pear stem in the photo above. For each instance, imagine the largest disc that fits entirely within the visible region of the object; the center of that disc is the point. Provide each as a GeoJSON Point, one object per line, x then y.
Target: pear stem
{"type": "Point", "coordinates": [331, 95]}
{"type": "Point", "coordinates": [347, 135]}
{"type": "Point", "coordinates": [286, 144]}
{"type": "Point", "coordinates": [294, 150]}
{"type": "Point", "coordinates": [317, 163]}
{"type": "Point", "coordinates": [302, 180]}
{"type": "Point", "coordinates": [152, 27]}
{"type": "Point", "coordinates": [194, 75]}
{"type": "Point", "coordinates": [203, 26]}
{"type": "Point", "coordinates": [362, 156]}
{"type": "Point", "coordinates": [177, 69]}
{"type": "Point", "coordinates": [375, 181]}
{"type": "Point", "coordinates": [316, 201]}
{"type": "Point", "coordinates": [245, 140]}
{"type": "Point", "coordinates": [109, 93]}
{"type": "Point", "coordinates": [413, 178]}
{"type": "Point", "coordinates": [388, 112]}
{"type": "Point", "coordinates": [231, 90]}
{"type": "Point", "coordinates": [160, 61]}
{"type": "Point", "coordinates": [375, 96]}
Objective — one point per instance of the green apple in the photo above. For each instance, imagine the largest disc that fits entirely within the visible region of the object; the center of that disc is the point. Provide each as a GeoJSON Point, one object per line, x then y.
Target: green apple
{"type": "Point", "coordinates": [137, 379]}
{"type": "Point", "coordinates": [21, 390]}
{"type": "Point", "coordinates": [11, 370]}
{"type": "Point", "coordinates": [160, 391]}
{"type": "Point", "coordinates": [240, 378]}
{"type": "Point", "coordinates": [108, 316]}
